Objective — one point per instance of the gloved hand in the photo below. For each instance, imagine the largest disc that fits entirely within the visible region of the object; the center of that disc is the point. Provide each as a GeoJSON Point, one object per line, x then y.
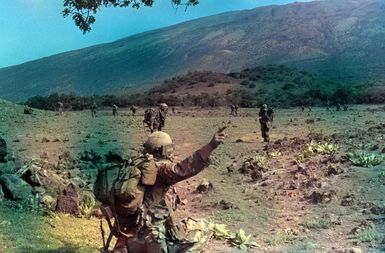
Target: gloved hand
{"type": "Point", "coordinates": [218, 138]}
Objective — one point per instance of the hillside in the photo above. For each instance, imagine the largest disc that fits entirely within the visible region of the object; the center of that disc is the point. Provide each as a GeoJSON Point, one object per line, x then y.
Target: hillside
{"type": "Point", "coordinates": [341, 40]}
{"type": "Point", "coordinates": [278, 86]}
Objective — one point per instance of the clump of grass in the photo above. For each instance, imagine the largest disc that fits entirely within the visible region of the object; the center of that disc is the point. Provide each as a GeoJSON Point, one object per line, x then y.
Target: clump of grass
{"type": "Point", "coordinates": [365, 159]}
{"type": "Point", "coordinates": [368, 235]}
{"type": "Point", "coordinates": [318, 224]}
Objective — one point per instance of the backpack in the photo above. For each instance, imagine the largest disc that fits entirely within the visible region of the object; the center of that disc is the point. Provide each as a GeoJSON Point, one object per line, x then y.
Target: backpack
{"type": "Point", "coordinates": [125, 183]}
{"type": "Point", "coordinates": [149, 115]}
{"type": "Point", "coordinates": [3, 148]}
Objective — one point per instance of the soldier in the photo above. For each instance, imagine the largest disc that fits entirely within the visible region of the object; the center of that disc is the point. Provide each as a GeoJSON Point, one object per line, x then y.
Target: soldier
{"type": "Point", "coordinates": [266, 115]}
{"type": "Point", "coordinates": [345, 107]}
{"type": "Point", "coordinates": [151, 228]}
{"type": "Point", "coordinates": [236, 107]}
{"type": "Point", "coordinates": [160, 117]}
{"type": "Point", "coordinates": [232, 108]}
{"type": "Point", "coordinates": [149, 118]}
{"type": "Point", "coordinates": [133, 109]}
{"type": "Point", "coordinates": [302, 108]}
{"type": "Point", "coordinates": [59, 106]}
{"type": "Point", "coordinates": [114, 109]}
{"type": "Point", "coordinates": [3, 150]}
{"type": "Point", "coordinates": [338, 107]}
{"type": "Point", "coordinates": [93, 109]}
{"type": "Point", "coordinates": [27, 110]}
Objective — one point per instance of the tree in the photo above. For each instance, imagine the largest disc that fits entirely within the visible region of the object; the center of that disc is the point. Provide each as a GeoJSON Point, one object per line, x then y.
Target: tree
{"type": "Point", "coordinates": [83, 11]}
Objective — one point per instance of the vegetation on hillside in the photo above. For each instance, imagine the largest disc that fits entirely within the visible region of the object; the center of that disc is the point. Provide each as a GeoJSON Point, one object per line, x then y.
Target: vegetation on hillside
{"type": "Point", "coordinates": [278, 86]}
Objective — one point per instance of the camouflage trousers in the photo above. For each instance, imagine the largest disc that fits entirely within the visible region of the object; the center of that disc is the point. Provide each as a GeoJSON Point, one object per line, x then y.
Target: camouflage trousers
{"type": "Point", "coordinates": [166, 238]}
{"type": "Point", "coordinates": [265, 132]}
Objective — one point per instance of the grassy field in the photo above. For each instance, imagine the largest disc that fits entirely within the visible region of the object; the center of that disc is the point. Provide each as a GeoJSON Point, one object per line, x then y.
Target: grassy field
{"type": "Point", "coordinates": [276, 210]}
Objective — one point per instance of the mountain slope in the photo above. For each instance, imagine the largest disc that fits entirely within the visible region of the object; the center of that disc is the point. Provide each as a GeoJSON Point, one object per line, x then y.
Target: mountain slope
{"type": "Point", "coordinates": [340, 39]}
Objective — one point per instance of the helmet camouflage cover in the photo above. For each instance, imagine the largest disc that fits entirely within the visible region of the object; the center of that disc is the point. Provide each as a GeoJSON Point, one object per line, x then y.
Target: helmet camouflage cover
{"type": "Point", "coordinates": [159, 143]}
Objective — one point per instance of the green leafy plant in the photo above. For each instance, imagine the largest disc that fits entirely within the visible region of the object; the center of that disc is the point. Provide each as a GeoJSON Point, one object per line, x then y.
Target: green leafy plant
{"type": "Point", "coordinates": [242, 240]}
{"type": "Point", "coordinates": [299, 158]}
{"type": "Point", "coordinates": [314, 148]}
{"type": "Point", "coordinates": [275, 154]}
{"type": "Point", "coordinates": [365, 159]}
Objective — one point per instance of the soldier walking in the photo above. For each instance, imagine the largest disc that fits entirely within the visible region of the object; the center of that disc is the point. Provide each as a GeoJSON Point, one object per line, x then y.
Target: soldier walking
{"type": "Point", "coordinates": [93, 109]}
{"type": "Point", "coordinates": [236, 107]}
{"type": "Point", "coordinates": [114, 109]}
{"type": "Point", "coordinates": [266, 115]}
{"type": "Point", "coordinates": [133, 109]}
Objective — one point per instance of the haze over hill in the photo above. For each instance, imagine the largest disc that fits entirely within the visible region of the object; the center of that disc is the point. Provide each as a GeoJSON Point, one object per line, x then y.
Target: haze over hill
{"type": "Point", "coordinates": [339, 39]}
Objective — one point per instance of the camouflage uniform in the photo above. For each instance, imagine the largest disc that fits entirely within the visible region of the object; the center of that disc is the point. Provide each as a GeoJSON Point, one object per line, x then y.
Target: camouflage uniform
{"type": "Point", "coordinates": [93, 109]}
{"type": "Point", "coordinates": [265, 119]}
{"type": "Point", "coordinates": [60, 107]}
{"type": "Point", "coordinates": [133, 109]}
{"type": "Point", "coordinates": [160, 117]}
{"type": "Point", "coordinates": [232, 108]}
{"type": "Point", "coordinates": [114, 110]}
{"type": "Point", "coordinates": [154, 226]}
{"type": "Point", "coordinates": [236, 107]}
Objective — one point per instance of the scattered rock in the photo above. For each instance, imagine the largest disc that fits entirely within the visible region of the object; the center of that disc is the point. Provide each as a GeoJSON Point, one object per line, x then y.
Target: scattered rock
{"type": "Point", "coordinates": [45, 140]}
{"type": "Point", "coordinates": [309, 121]}
{"type": "Point", "coordinates": [48, 201]}
{"type": "Point", "coordinates": [334, 169]}
{"type": "Point", "coordinates": [15, 188]}
{"type": "Point", "coordinates": [71, 190]}
{"type": "Point", "coordinates": [205, 186]}
{"type": "Point", "coordinates": [256, 175]}
{"type": "Point", "coordinates": [348, 200]}
{"type": "Point", "coordinates": [318, 197]}
{"type": "Point", "coordinates": [377, 210]}
{"type": "Point", "coordinates": [66, 204]}
{"type": "Point", "coordinates": [225, 205]}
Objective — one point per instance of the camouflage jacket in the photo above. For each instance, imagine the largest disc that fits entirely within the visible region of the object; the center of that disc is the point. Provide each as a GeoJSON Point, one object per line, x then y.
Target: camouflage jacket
{"type": "Point", "coordinates": [160, 199]}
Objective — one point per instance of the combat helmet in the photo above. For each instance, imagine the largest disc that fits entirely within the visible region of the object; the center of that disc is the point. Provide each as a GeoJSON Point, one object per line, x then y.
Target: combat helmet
{"type": "Point", "coordinates": [163, 106]}
{"type": "Point", "coordinates": [159, 144]}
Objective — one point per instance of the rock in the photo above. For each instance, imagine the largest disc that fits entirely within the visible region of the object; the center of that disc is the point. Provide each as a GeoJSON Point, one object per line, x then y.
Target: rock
{"type": "Point", "coordinates": [73, 173]}
{"type": "Point", "coordinates": [335, 169]}
{"type": "Point", "coordinates": [47, 201]}
{"type": "Point", "coordinates": [66, 204]}
{"type": "Point", "coordinates": [318, 197]}
{"type": "Point", "coordinates": [44, 140]}
{"type": "Point", "coordinates": [256, 175]}
{"type": "Point", "coordinates": [78, 182]}
{"type": "Point", "coordinates": [15, 188]}
{"type": "Point", "coordinates": [355, 250]}
{"type": "Point", "coordinates": [348, 200]}
{"type": "Point", "coordinates": [225, 205]}
{"type": "Point", "coordinates": [377, 210]}
{"type": "Point", "coordinates": [205, 186]}
{"type": "Point", "coordinates": [71, 190]}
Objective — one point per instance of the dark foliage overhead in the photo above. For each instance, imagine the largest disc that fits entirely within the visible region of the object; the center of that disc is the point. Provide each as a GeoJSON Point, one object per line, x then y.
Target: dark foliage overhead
{"type": "Point", "coordinates": [83, 11]}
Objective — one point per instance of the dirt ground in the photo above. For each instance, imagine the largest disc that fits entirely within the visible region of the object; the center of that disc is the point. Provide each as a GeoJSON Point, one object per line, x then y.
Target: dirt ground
{"type": "Point", "coordinates": [294, 206]}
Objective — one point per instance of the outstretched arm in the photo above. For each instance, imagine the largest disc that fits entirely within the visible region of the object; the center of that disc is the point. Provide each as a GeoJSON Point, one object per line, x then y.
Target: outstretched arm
{"type": "Point", "coordinates": [192, 165]}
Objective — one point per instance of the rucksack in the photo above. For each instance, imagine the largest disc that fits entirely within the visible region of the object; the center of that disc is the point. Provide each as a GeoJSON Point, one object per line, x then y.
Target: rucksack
{"type": "Point", "coordinates": [149, 115]}
{"type": "Point", "coordinates": [3, 148]}
{"type": "Point", "coordinates": [125, 183]}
